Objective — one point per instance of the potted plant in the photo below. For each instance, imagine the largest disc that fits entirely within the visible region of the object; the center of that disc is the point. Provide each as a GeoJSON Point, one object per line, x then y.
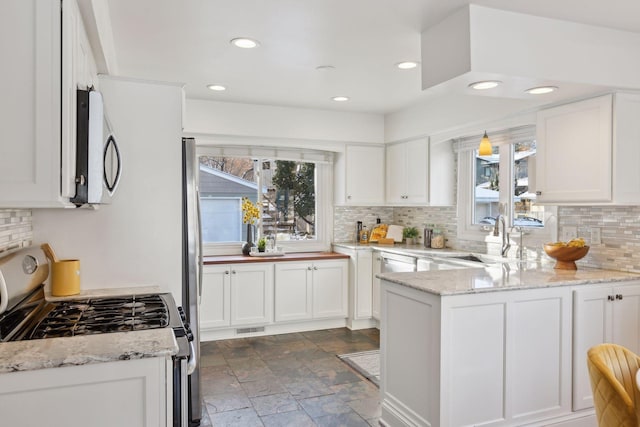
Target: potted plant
{"type": "Point", "coordinates": [410, 234]}
{"type": "Point", "coordinates": [262, 244]}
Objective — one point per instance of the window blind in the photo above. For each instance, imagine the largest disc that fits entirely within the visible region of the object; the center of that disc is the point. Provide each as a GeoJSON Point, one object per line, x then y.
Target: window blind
{"type": "Point", "coordinates": [292, 154]}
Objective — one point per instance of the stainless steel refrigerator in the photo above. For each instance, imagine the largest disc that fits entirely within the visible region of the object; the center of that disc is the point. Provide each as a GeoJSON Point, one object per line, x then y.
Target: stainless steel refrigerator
{"type": "Point", "coordinates": [192, 267]}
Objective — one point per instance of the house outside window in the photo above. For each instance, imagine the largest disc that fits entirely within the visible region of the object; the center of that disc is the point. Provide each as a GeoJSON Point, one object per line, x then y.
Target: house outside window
{"type": "Point", "coordinates": [499, 184]}
{"type": "Point", "coordinates": [286, 190]}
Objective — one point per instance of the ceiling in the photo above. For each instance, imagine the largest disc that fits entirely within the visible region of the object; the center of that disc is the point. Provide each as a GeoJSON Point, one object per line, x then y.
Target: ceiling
{"type": "Point", "coordinates": [188, 42]}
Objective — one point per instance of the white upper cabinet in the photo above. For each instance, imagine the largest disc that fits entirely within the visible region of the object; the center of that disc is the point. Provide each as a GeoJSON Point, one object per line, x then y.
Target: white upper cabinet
{"type": "Point", "coordinates": [588, 151]}
{"type": "Point", "coordinates": [359, 176]}
{"type": "Point", "coordinates": [37, 138]}
{"type": "Point", "coordinates": [420, 173]}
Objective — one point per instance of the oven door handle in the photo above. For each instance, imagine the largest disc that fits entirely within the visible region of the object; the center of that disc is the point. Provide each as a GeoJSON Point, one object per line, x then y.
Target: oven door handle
{"type": "Point", "coordinates": [192, 362]}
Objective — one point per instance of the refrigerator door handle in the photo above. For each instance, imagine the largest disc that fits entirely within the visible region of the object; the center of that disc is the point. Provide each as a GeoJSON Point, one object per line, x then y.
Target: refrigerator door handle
{"type": "Point", "coordinates": [199, 257]}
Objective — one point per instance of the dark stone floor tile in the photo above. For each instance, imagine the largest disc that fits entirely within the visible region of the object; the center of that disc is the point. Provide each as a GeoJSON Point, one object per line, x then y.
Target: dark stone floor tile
{"type": "Point", "coordinates": [341, 376]}
{"type": "Point", "coordinates": [263, 387]}
{"type": "Point", "coordinates": [238, 352]}
{"type": "Point", "coordinates": [288, 419]}
{"type": "Point", "coordinates": [363, 389]}
{"type": "Point", "coordinates": [227, 402]}
{"type": "Point", "coordinates": [212, 359]}
{"type": "Point", "coordinates": [367, 408]}
{"type": "Point", "coordinates": [324, 405]}
{"type": "Point", "coordinates": [308, 388]}
{"type": "Point", "coordinates": [301, 373]}
{"type": "Point", "coordinates": [350, 419]}
{"type": "Point", "coordinates": [274, 404]}
{"type": "Point", "coordinates": [284, 363]}
{"type": "Point", "coordinates": [218, 380]}
{"type": "Point", "coordinates": [239, 418]}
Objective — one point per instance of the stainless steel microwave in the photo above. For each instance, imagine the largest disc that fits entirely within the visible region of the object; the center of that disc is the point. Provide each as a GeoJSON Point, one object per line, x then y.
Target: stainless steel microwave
{"type": "Point", "coordinates": [98, 160]}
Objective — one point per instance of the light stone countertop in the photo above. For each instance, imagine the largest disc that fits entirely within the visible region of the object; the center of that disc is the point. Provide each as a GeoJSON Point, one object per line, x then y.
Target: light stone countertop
{"type": "Point", "coordinates": [507, 276]}
{"type": "Point", "coordinates": [82, 350]}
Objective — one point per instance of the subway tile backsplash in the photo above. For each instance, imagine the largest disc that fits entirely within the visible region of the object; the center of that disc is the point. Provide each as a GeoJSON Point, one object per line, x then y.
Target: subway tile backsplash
{"type": "Point", "coordinates": [619, 227]}
{"type": "Point", "coordinates": [16, 229]}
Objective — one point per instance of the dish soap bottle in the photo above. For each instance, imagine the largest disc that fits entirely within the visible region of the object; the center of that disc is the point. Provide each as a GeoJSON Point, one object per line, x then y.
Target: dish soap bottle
{"type": "Point", "coordinates": [364, 235]}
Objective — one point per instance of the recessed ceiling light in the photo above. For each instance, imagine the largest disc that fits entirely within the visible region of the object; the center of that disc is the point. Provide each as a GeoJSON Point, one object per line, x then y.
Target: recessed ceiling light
{"type": "Point", "coordinates": [407, 65]}
{"type": "Point", "coordinates": [245, 43]}
{"type": "Point", "coordinates": [487, 84]}
{"type": "Point", "coordinates": [340, 98]}
{"type": "Point", "coordinates": [217, 88]}
{"type": "Point", "coordinates": [541, 90]}
{"type": "Point", "coordinates": [325, 67]}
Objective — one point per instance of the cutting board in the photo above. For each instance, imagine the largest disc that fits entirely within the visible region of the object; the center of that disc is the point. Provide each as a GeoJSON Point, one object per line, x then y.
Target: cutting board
{"type": "Point", "coordinates": [395, 232]}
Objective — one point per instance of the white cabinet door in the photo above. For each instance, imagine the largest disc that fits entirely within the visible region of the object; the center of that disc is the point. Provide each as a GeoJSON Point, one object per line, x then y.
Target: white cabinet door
{"type": "Point", "coordinates": [417, 166]}
{"type": "Point", "coordinates": [574, 152]}
{"type": "Point", "coordinates": [293, 291]}
{"type": "Point", "coordinates": [362, 286]}
{"type": "Point", "coordinates": [31, 86]}
{"type": "Point", "coordinates": [609, 313]}
{"type": "Point", "coordinates": [128, 393]}
{"type": "Point", "coordinates": [329, 289]}
{"type": "Point", "coordinates": [593, 313]}
{"type": "Point", "coordinates": [251, 293]}
{"type": "Point", "coordinates": [215, 303]}
{"type": "Point", "coordinates": [396, 174]}
{"type": "Point", "coordinates": [375, 286]}
{"type": "Point", "coordinates": [520, 343]}
{"type": "Point", "coordinates": [410, 173]}
{"type": "Point", "coordinates": [359, 176]}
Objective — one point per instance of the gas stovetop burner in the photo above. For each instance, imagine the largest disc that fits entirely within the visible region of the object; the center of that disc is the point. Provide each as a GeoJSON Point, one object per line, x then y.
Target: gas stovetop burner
{"type": "Point", "coordinates": [103, 315]}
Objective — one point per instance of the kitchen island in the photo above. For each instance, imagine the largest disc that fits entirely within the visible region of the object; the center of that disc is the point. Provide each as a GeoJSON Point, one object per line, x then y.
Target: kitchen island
{"type": "Point", "coordinates": [503, 345]}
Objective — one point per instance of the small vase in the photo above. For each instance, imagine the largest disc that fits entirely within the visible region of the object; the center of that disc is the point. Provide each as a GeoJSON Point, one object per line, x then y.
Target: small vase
{"type": "Point", "coordinates": [246, 247]}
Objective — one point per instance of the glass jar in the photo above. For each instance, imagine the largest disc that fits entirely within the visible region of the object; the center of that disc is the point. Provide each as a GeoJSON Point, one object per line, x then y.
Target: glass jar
{"type": "Point", "coordinates": [437, 239]}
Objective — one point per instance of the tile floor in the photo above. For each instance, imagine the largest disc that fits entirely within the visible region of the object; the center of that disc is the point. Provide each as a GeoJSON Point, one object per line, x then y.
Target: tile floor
{"type": "Point", "coordinates": [288, 380]}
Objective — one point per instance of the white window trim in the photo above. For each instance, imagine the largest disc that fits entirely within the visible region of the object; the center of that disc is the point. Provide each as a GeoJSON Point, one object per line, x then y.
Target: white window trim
{"type": "Point", "coordinates": [324, 197]}
{"type": "Point", "coordinates": [466, 175]}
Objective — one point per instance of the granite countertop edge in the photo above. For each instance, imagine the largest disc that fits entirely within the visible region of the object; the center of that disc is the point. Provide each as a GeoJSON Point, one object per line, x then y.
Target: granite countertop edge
{"type": "Point", "coordinates": [31, 355]}
{"type": "Point", "coordinates": [456, 282]}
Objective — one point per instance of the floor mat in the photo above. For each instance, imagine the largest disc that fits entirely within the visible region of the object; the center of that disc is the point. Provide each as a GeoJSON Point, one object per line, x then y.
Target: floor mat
{"type": "Point", "coordinates": [367, 363]}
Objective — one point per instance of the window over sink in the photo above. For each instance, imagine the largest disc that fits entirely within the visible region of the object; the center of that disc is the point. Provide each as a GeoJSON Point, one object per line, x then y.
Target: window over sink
{"type": "Point", "coordinates": [499, 184]}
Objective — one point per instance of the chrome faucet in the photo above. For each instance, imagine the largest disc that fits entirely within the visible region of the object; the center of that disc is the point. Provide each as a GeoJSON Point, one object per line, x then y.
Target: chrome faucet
{"type": "Point", "coordinates": [505, 236]}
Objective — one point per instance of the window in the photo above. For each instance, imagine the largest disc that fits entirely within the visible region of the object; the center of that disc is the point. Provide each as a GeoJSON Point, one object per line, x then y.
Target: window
{"type": "Point", "coordinates": [499, 184]}
{"type": "Point", "coordinates": [288, 192]}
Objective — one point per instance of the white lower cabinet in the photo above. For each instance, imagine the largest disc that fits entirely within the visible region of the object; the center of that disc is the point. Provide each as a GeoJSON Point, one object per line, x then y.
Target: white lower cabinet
{"type": "Point", "coordinates": [375, 285]}
{"type": "Point", "coordinates": [129, 393]}
{"type": "Point", "coordinates": [488, 359]}
{"type": "Point", "coordinates": [360, 286]}
{"type": "Point", "coordinates": [236, 294]}
{"type": "Point", "coordinates": [608, 313]}
{"type": "Point", "coordinates": [310, 290]}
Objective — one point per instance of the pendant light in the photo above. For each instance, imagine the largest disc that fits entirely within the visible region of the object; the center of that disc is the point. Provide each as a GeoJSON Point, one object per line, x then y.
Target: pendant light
{"type": "Point", "coordinates": [485, 146]}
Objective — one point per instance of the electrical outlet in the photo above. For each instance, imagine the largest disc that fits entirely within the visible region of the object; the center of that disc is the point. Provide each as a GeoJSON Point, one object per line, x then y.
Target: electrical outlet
{"type": "Point", "coordinates": [596, 237]}
{"type": "Point", "coordinates": [569, 233]}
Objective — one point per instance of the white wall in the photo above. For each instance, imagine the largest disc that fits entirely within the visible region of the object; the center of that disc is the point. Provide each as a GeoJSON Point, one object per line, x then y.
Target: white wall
{"type": "Point", "coordinates": [287, 125]}
{"type": "Point", "coordinates": [137, 239]}
{"type": "Point", "coordinates": [455, 115]}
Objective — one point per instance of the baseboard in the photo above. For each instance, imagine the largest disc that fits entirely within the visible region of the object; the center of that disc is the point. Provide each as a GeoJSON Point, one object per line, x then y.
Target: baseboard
{"type": "Point", "coordinates": [355, 324]}
{"type": "Point", "coordinates": [274, 329]}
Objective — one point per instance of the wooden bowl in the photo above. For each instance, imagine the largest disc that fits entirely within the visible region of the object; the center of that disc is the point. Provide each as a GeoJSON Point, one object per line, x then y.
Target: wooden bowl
{"type": "Point", "coordinates": [565, 256]}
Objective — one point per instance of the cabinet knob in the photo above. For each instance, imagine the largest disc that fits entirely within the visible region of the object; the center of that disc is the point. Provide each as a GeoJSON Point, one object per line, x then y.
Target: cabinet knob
{"type": "Point", "coordinates": [309, 268]}
{"type": "Point", "coordinates": [609, 297]}
{"type": "Point", "coordinates": [233, 272]}
{"type": "Point", "coordinates": [349, 197]}
{"type": "Point", "coordinates": [226, 272]}
{"type": "Point", "coordinates": [619, 296]}
{"type": "Point", "coordinates": [538, 193]}
{"type": "Point", "coordinates": [315, 268]}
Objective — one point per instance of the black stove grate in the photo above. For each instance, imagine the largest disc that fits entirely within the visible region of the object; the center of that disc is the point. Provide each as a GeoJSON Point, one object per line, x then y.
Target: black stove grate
{"type": "Point", "coordinates": [103, 315]}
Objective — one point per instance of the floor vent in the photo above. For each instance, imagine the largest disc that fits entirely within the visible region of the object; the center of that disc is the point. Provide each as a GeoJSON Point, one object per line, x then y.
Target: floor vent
{"type": "Point", "coordinates": [249, 330]}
